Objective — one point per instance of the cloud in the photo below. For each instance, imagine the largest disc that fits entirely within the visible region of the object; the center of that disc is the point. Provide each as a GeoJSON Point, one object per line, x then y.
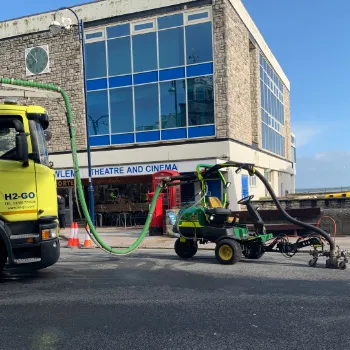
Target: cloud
{"type": "Point", "coordinates": [305, 132]}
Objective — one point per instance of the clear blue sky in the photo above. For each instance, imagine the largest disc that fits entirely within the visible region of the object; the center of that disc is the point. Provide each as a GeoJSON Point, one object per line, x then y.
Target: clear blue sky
{"type": "Point", "coordinates": [310, 40]}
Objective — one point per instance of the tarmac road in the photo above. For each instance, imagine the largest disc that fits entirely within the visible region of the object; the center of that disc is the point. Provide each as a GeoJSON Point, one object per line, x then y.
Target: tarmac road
{"type": "Point", "coordinates": [153, 300]}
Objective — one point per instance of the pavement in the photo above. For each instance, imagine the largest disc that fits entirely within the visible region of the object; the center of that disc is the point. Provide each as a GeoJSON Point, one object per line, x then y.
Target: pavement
{"type": "Point", "coordinates": [122, 238]}
{"type": "Point", "coordinates": [152, 300]}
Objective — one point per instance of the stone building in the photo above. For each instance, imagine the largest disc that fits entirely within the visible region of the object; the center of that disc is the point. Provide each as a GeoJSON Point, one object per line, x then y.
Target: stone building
{"type": "Point", "coordinates": [170, 84]}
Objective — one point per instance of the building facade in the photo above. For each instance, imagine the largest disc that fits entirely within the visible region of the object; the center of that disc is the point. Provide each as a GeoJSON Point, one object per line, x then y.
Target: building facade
{"type": "Point", "coordinates": [170, 84]}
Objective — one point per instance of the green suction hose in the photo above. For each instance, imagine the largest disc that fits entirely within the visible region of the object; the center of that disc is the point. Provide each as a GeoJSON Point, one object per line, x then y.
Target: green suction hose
{"type": "Point", "coordinates": [85, 210]}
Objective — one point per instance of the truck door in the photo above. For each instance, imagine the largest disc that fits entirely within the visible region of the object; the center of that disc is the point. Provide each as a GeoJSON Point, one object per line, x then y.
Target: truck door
{"type": "Point", "coordinates": [18, 197]}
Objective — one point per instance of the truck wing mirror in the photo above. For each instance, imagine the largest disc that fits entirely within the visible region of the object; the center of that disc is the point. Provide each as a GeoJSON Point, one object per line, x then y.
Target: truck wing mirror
{"type": "Point", "coordinates": [22, 148]}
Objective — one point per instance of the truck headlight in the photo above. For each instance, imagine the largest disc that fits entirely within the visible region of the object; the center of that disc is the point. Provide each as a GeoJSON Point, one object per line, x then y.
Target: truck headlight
{"type": "Point", "coordinates": [48, 233]}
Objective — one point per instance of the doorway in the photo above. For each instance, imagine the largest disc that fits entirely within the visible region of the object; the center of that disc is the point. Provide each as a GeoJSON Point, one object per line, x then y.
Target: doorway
{"type": "Point", "coordinates": [67, 194]}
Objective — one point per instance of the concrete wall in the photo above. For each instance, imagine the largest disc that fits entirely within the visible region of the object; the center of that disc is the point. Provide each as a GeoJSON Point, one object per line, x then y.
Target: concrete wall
{"type": "Point", "coordinates": [337, 208]}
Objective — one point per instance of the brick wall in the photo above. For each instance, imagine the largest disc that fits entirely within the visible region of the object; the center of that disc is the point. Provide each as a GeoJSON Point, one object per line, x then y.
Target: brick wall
{"type": "Point", "coordinates": [65, 71]}
{"type": "Point", "coordinates": [220, 64]}
{"type": "Point", "coordinates": [255, 95]}
{"type": "Point", "coordinates": [238, 72]}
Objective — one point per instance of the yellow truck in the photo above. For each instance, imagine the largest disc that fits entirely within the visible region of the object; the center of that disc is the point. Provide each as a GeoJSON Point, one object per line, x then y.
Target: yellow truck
{"type": "Point", "coordinates": [28, 193]}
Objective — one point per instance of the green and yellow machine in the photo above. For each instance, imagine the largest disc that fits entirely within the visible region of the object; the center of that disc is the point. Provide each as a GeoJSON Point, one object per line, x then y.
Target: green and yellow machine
{"type": "Point", "coordinates": [28, 197]}
{"type": "Point", "coordinates": [210, 220]}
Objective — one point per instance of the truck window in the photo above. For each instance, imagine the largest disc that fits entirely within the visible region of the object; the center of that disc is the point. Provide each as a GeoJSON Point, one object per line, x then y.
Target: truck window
{"type": "Point", "coordinates": [39, 142]}
{"type": "Point", "coordinates": [7, 143]}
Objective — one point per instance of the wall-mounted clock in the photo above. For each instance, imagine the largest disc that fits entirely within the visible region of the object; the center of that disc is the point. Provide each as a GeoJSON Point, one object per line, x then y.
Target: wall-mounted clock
{"type": "Point", "coordinates": [37, 60]}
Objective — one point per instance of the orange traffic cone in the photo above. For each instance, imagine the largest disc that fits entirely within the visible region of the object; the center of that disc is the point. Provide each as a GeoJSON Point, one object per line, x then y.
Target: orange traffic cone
{"type": "Point", "coordinates": [71, 237]}
{"type": "Point", "coordinates": [87, 242]}
{"type": "Point", "coordinates": [76, 242]}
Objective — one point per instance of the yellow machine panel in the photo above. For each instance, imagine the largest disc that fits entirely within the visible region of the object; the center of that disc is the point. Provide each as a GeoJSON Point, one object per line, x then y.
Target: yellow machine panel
{"type": "Point", "coordinates": [18, 198]}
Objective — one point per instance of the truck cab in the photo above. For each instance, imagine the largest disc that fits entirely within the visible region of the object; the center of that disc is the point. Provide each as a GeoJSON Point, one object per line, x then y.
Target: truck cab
{"type": "Point", "coordinates": [28, 193]}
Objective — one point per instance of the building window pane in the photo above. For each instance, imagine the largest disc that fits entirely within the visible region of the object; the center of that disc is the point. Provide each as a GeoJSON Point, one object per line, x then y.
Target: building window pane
{"type": "Point", "coordinates": [173, 104]}
{"type": "Point", "coordinates": [200, 101]}
{"type": "Point", "coordinates": [96, 35]}
{"type": "Point", "coordinates": [146, 107]}
{"type": "Point", "coordinates": [144, 26]}
{"type": "Point", "coordinates": [197, 16]}
{"type": "Point", "coordinates": [171, 48]}
{"type": "Point", "coordinates": [97, 109]}
{"type": "Point", "coordinates": [121, 110]}
{"type": "Point", "coordinates": [145, 52]}
{"type": "Point", "coordinates": [118, 31]}
{"type": "Point", "coordinates": [170, 21]}
{"type": "Point", "coordinates": [199, 43]}
{"type": "Point", "coordinates": [119, 56]}
{"type": "Point", "coordinates": [96, 60]}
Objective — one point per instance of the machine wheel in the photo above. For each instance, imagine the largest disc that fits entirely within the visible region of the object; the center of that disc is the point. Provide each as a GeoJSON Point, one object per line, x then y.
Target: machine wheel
{"type": "Point", "coordinates": [342, 265]}
{"type": "Point", "coordinates": [187, 249]}
{"type": "Point", "coordinates": [228, 252]}
{"type": "Point", "coordinates": [313, 262]}
{"type": "Point", "coordinates": [254, 252]}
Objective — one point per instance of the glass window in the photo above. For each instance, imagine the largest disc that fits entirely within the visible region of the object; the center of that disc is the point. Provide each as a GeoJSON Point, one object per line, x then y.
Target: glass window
{"type": "Point", "coordinates": [121, 110]}
{"type": "Point", "coordinates": [197, 16]}
{"type": "Point", "coordinates": [96, 60]}
{"type": "Point", "coordinates": [144, 26]}
{"type": "Point", "coordinates": [119, 56]}
{"type": "Point", "coordinates": [118, 31]}
{"type": "Point", "coordinates": [199, 43]}
{"type": "Point", "coordinates": [173, 104]}
{"type": "Point", "coordinates": [170, 21]}
{"type": "Point", "coordinates": [144, 52]}
{"type": "Point", "coordinates": [97, 109]}
{"type": "Point", "coordinates": [7, 140]}
{"type": "Point", "coordinates": [171, 48]}
{"type": "Point", "coordinates": [39, 142]}
{"type": "Point", "coordinates": [146, 107]}
{"type": "Point", "coordinates": [90, 36]}
{"type": "Point", "coordinates": [200, 111]}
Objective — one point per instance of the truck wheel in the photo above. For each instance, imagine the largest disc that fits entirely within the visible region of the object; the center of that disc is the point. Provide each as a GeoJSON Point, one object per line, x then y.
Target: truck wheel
{"type": "Point", "coordinates": [3, 256]}
{"type": "Point", "coordinates": [187, 249]}
{"type": "Point", "coordinates": [228, 252]}
{"type": "Point", "coordinates": [254, 252]}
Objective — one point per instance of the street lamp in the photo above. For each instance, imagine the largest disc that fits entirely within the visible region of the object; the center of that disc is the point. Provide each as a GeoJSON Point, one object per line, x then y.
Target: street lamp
{"type": "Point", "coordinates": [55, 28]}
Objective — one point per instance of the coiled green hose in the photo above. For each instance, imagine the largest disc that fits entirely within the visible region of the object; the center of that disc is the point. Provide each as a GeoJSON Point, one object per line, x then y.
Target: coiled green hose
{"type": "Point", "coordinates": [89, 221]}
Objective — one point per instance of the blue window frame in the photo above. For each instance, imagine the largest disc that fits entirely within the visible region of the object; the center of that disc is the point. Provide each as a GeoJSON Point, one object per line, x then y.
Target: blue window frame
{"type": "Point", "coordinates": [119, 56]}
{"type": "Point", "coordinates": [148, 83]}
{"type": "Point", "coordinates": [200, 97]}
{"type": "Point", "coordinates": [146, 107]}
{"type": "Point", "coordinates": [197, 16]}
{"type": "Point", "coordinates": [170, 21]}
{"type": "Point", "coordinates": [199, 49]}
{"type": "Point", "coordinates": [272, 109]}
{"type": "Point", "coordinates": [118, 31]}
{"type": "Point", "coordinates": [145, 52]}
{"type": "Point", "coordinates": [122, 118]}
{"type": "Point", "coordinates": [171, 48]}
{"type": "Point", "coordinates": [95, 55]}
{"type": "Point", "coordinates": [97, 111]}
{"type": "Point", "coordinates": [96, 35]}
{"type": "Point", "coordinates": [173, 104]}
{"type": "Point", "coordinates": [144, 26]}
